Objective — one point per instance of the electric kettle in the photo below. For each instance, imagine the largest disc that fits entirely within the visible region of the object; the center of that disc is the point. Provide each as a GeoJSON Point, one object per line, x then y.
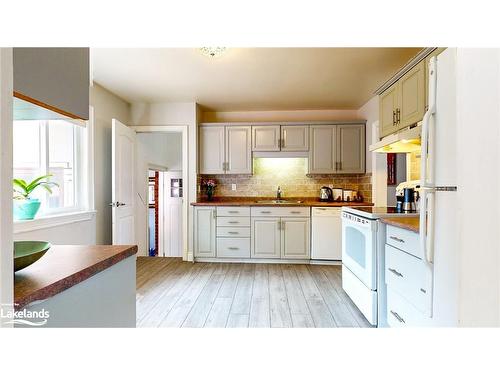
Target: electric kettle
{"type": "Point", "coordinates": [325, 194]}
{"type": "Point", "coordinates": [410, 196]}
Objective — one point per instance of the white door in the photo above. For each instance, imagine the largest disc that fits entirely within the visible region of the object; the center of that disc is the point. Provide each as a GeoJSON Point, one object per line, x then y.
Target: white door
{"type": "Point", "coordinates": [266, 138]}
{"type": "Point", "coordinates": [294, 138]}
{"type": "Point", "coordinates": [295, 238]}
{"type": "Point", "coordinates": [322, 153]}
{"type": "Point", "coordinates": [123, 183]}
{"type": "Point", "coordinates": [172, 235]}
{"type": "Point", "coordinates": [238, 150]}
{"type": "Point", "coordinates": [211, 158]}
{"type": "Point", "coordinates": [266, 237]}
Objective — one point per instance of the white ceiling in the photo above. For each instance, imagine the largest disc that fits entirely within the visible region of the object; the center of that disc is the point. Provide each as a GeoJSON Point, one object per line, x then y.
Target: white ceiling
{"type": "Point", "coordinates": [249, 78]}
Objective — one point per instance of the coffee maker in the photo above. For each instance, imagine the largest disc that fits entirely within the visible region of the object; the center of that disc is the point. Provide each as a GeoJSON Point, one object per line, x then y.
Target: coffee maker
{"type": "Point", "coordinates": [407, 196]}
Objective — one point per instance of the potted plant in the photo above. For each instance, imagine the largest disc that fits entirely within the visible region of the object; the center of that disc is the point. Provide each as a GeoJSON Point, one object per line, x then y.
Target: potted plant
{"type": "Point", "coordinates": [210, 188]}
{"type": "Point", "coordinates": [25, 207]}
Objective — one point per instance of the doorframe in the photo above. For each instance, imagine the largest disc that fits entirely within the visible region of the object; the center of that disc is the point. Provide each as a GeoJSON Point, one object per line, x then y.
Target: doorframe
{"type": "Point", "coordinates": [183, 129]}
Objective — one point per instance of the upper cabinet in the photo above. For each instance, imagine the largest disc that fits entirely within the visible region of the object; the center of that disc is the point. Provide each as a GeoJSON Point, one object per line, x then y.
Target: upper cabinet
{"type": "Point", "coordinates": [403, 104]}
{"type": "Point", "coordinates": [225, 150]}
{"type": "Point", "coordinates": [57, 79]}
{"type": "Point", "coordinates": [337, 149]}
{"type": "Point", "coordinates": [280, 138]}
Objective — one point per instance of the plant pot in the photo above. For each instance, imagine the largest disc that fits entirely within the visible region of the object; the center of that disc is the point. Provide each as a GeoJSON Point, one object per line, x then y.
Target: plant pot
{"type": "Point", "coordinates": [26, 209]}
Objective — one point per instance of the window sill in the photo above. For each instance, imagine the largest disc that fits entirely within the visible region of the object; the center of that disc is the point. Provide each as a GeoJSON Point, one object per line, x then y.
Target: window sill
{"type": "Point", "coordinates": [52, 221]}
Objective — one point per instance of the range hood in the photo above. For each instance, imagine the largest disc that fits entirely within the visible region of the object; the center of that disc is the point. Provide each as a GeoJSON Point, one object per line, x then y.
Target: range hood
{"type": "Point", "coordinates": [402, 142]}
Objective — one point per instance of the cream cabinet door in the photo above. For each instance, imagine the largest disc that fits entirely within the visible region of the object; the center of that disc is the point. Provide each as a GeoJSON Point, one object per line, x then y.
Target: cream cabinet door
{"type": "Point", "coordinates": [322, 153]}
{"type": "Point", "coordinates": [211, 149]}
{"type": "Point", "coordinates": [294, 138]}
{"type": "Point", "coordinates": [266, 138]}
{"type": "Point", "coordinates": [411, 97]}
{"type": "Point", "coordinates": [388, 103]}
{"type": "Point", "coordinates": [351, 148]}
{"type": "Point", "coordinates": [266, 237]}
{"type": "Point", "coordinates": [204, 232]}
{"type": "Point", "coordinates": [295, 238]}
{"type": "Point", "coordinates": [238, 150]}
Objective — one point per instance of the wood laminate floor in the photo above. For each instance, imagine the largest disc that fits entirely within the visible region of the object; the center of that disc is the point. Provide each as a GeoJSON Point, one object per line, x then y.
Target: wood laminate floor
{"type": "Point", "coordinates": [173, 293]}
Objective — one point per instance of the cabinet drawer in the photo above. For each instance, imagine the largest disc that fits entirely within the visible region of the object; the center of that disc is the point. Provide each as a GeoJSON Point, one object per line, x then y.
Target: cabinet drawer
{"type": "Point", "coordinates": [400, 313]}
{"type": "Point", "coordinates": [233, 247]}
{"type": "Point", "coordinates": [410, 277]}
{"type": "Point", "coordinates": [404, 240]}
{"type": "Point", "coordinates": [233, 232]}
{"type": "Point", "coordinates": [281, 211]}
{"type": "Point", "coordinates": [233, 221]}
{"type": "Point", "coordinates": [233, 211]}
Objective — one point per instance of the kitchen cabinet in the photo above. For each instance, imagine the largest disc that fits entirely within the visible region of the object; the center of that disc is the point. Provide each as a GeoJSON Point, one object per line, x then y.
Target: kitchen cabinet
{"type": "Point", "coordinates": [205, 232]}
{"type": "Point", "coordinates": [294, 138]}
{"type": "Point", "coordinates": [322, 152]}
{"type": "Point", "coordinates": [403, 103]}
{"type": "Point", "coordinates": [225, 150]}
{"type": "Point", "coordinates": [351, 148]}
{"type": "Point", "coordinates": [266, 237]}
{"type": "Point", "coordinates": [337, 149]}
{"type": "Point", "coordinates": [295, 238]}
{"type": "Point", "coordinates": [238, 150]}
{"type": "Point", "coordinates": [266, 138]}
{"type": "Point", "coordinates": [212, 150]}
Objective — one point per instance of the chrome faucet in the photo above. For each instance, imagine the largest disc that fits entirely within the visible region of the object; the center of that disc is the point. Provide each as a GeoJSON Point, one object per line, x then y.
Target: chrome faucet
{"type": "Point", "coordinates": [278, 193]}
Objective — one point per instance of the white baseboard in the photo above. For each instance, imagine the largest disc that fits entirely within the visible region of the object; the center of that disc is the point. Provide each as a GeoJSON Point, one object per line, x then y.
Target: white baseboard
{"type": "Point", "coordinates": [269, 261]}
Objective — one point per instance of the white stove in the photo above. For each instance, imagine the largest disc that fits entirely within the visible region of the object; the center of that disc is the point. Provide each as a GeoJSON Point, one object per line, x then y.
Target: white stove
{"type": "Point", "coordinates": [363, 260]}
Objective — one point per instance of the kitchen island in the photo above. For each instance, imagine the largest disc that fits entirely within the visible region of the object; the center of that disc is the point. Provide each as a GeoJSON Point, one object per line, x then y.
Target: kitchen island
{"type": "Point", "coordinates": [79, 286]}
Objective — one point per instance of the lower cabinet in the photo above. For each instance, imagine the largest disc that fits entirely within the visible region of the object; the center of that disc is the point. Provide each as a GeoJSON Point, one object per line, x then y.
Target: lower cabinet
{"type": "Point", "coordinates": [266, 239]}
{"type": "Point", "coordinates": [205, 232]}
{"type": "Point", "coordinates": [280, 237]}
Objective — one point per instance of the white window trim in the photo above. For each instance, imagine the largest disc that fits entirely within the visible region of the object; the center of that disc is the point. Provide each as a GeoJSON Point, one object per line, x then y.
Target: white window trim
{"type": "Point", "coordinates": [23, 226]}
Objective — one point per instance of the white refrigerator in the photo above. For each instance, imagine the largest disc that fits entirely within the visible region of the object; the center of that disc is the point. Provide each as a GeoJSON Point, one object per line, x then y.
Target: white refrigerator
{"type": "Point", "coordinates": [438, 208]}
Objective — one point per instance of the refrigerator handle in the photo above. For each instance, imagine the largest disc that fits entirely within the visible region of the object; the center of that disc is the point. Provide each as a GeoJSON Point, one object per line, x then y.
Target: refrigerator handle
{"type": "Point", "coordinates": [427, 173]}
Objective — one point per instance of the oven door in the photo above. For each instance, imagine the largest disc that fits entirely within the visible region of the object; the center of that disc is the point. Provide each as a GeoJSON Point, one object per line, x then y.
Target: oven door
{"type": "Point", "coordinates": [359, 248]}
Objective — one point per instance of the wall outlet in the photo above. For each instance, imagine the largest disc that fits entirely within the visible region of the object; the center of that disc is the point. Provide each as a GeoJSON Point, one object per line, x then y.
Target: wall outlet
{"type": "Point", "coordinates": [233, 187]}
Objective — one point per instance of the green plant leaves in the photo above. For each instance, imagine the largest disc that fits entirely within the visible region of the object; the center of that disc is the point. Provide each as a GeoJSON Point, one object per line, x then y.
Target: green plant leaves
{"type": "Point", "coordinates": [23, 189]}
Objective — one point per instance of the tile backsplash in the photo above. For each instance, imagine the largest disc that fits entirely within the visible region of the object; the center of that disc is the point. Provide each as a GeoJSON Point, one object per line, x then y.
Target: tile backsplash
{"type": "Point", "coordinates": [291, 175]}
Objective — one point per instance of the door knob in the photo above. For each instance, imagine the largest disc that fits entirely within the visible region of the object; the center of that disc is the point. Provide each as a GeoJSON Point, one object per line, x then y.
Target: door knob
{"type": "Point", "coordinates": [117, 204]}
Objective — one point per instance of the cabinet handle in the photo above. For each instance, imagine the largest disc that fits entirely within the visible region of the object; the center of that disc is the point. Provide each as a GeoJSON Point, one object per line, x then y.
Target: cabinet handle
{"type": "Point", "coordinates": [340, 165]}
{"type": "Point", "coordinates": [295, 212]}
{"type": "Point", "coordinates": [396, 239]}
{"type": "Point", "coordinates": [233, 222]}
{"type": "Point", "coordinates": [233, 232]}
{"type": "Point", "coordinates": [398, 116]}
{"type": "Point", "coordinates": [215, 214]}
{"type": "Point", "coordinates": [393, 118]}
{"type": "Point", "coordinates": [233, 212]}
{"type": "Point", "coordinates": [396, 315]}
{"type": "Point", "coordinates": [395, 272]}
{"type": "Point", "coordinates": [265, 212]}
{"type": "Point", "coordinates": [233, 248]}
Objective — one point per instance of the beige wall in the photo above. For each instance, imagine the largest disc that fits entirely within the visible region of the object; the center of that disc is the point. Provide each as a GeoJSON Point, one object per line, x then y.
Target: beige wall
{"type": "Point", "coordinates": [106, 107]}
{"type": "Point", "coordinates": [298, 115]}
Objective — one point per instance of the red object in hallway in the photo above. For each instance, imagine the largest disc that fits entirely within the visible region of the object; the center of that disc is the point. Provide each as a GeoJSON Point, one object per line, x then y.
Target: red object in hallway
{"type": "Point", "coordinates": [391, 169]}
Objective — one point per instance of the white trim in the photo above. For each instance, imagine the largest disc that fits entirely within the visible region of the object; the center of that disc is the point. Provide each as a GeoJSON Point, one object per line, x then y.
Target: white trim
{"type": "Point", "coordinates": [52, 221]}
{"type": "Point", "coordinates": [253, 260]}
{"type": "Point", "coordinates": [184, 129]}
{"type": "Point", "coordinates": [287, 123]}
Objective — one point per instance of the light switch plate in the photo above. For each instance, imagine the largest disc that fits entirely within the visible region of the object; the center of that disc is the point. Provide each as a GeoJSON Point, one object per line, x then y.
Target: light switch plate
{"type": "Point", "coordinates": [233, 187]}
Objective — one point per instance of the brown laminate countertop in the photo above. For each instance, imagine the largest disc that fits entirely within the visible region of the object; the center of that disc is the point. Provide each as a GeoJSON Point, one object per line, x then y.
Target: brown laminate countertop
{"type": "Point", "coordinates": [63, 267]}
{"type": "Point", "coordinates": [409, 223]}
{"type": "Point", "coordinates": [252, 201]}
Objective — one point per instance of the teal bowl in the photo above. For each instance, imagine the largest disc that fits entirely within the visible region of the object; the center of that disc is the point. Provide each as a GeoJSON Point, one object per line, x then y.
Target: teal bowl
{"type": "Point", "coordinates": [28, 252]}
{"type": "Point", "coordinates": [26, 209]}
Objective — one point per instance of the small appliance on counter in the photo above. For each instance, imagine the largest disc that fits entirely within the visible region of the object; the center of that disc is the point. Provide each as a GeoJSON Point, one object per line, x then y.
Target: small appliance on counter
{"type": "Point", "coordinates": [338, 194]}
{"type": "Point", "coordinates": [350, 195]}
{"type": "Point", "coordinates": [326, 194]}
{"type": "Point", "coordinates": [408, 196]}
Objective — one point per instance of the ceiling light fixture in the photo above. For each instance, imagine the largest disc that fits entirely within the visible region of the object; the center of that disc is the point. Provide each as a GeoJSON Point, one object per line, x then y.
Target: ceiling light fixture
{"type": "Point", "coordinates": [213, 51]}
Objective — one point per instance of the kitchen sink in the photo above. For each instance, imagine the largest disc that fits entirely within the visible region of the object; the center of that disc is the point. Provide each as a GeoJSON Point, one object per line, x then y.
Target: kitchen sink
{"type": "Point", "coordinates": [279, 201]}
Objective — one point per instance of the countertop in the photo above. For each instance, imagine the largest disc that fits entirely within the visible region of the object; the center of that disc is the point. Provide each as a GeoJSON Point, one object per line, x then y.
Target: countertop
{"type": "Point", "coordinates": [252, 201]}
{"type": "Point", "coordinates": [408, 223]}
{"type": "Point", "coordinates": [63, 267]}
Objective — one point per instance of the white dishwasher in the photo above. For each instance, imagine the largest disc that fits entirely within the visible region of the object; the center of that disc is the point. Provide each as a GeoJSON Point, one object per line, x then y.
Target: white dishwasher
{"type": "Point", "coordinates": [326, 233]}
